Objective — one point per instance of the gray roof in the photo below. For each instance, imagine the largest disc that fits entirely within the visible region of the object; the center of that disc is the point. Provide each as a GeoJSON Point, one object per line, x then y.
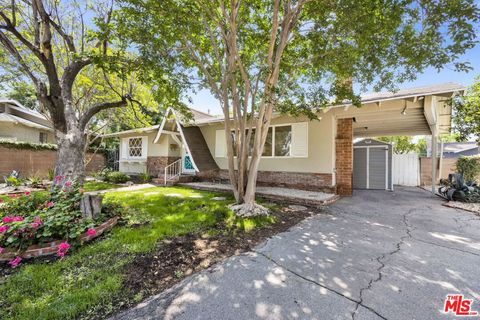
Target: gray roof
{"type": "Point", "coordinates": [456, 147]}
{"type": "Point", "coordinates": [413, 92]}
{"type": "Point", "coordinates": [17, 105]}
{"type": "Point", "coordinates": [5, 117]}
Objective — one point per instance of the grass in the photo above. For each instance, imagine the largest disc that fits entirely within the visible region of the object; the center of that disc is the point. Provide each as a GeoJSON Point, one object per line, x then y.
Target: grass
{"type": "Point", "coordinates": [99, 185]}
{"type": "Point", "coordinates": [91, 277]}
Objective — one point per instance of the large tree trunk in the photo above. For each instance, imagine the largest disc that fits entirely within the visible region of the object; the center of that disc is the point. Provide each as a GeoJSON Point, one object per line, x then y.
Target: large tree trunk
{"type": "Point", "coordinates": [71, 155]}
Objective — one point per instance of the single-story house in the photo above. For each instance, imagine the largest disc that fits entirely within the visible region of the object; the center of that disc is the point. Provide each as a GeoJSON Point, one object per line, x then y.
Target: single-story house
{"type": "Point", "coordinates": [458, 149]}
{"type": "Point", "coordinates": [299, 153]}
{"type": "Point", "coordinates": [18, 123]}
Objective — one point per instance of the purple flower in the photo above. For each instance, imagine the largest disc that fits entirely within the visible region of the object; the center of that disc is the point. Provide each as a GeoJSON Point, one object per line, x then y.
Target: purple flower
{"type": "Point", "coordinates": [2, 250]}
{"type": "Point", "coordinates": [8, 219]}
{"type": "Point", "coordinates": [4, 229]}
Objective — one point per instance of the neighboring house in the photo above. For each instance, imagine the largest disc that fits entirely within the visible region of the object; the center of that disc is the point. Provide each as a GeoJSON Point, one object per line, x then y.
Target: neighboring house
{"type": "Point", "coordinates": [457, 149]}
{"type": "Point", "coordinates": [299, 153]}
{"type": "Point", "coordinates": [18, 123]}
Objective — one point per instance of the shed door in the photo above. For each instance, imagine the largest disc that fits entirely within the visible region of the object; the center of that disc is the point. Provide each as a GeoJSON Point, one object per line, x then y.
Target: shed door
{"type": "Point", "coordinates": [377, 168]}
{"type": "Point", "coordinates": [360, 168]}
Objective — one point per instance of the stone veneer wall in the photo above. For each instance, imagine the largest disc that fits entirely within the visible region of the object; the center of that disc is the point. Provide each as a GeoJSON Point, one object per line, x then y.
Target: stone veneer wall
{"type": "Point", "coordinates": [344, 157]}
{"type": "Point", "coordinates": [156, 165]}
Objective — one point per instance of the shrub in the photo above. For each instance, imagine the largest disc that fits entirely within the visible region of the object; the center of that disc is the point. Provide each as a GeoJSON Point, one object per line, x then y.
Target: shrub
{"type": "Point", "coordinates": [145, 177]}
{"type": "Point", "coordinates": [469, 166]}
{"type": "Point", "coordinates": [35, 181]}
{"type": "Point", "coordinates": [33, 218]}
{"type": "Point", "coordinates": [116, 177]}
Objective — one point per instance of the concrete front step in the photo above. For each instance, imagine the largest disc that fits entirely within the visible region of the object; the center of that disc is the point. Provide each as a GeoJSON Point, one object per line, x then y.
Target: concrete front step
{"type": "Point", "coordinates": [184, 178]}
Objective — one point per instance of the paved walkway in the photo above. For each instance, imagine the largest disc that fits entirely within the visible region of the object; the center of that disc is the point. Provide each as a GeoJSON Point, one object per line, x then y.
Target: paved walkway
{"type": "Point", "coordinates": [297, 196]}
{"type": "Point", "coordinates": [377, 255]}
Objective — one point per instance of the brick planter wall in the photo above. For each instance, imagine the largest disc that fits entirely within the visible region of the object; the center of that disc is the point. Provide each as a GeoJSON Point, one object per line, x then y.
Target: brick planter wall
{"type": "Point", "coordinates": [156, 165]}
{"type": "Point", "coordinates": [295, 180]}
{"type": "Point", "coordinates": [38, 162]}
{"type": "Point", "coordinates": [344, 157]}
{"type": "Point", "coordinates": [45, 249]}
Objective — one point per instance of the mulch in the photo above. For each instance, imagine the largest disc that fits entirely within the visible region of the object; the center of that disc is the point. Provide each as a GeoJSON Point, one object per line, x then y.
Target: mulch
{"type": "Point", "coordinates": [175, 259]}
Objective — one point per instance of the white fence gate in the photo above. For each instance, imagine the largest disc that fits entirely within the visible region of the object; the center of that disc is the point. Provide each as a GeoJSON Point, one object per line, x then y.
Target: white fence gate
{"type": "Point", "coordinates": [406, 169]}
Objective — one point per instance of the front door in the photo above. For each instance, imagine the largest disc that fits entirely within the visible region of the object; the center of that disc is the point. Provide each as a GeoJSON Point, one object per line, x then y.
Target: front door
{"type": "Point", "coordinates": [187, 164]}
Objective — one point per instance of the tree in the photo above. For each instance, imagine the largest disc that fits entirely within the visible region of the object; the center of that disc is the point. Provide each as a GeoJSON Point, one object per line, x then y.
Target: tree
{"type": "Point", "coordinates": [260, 57]}
{"type": "Point", "coordinates": [401, 144]}
{"type": "Point", "coordinates": [50, 42]}
{"type": "Point", "coordinates": [466, 113]}
{"type": "Point", "coordinates": [24, 92]}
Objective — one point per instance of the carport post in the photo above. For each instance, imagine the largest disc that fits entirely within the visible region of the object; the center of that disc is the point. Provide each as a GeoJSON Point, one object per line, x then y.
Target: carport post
{"type": "Point", "coordinates": [434, 158]}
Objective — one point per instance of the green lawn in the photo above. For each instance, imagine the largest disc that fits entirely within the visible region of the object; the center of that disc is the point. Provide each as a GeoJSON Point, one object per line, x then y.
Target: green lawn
{"type": "Point", "coordinates": [92, 277]}
{"type": "Point", "coordinates": [99, 185]}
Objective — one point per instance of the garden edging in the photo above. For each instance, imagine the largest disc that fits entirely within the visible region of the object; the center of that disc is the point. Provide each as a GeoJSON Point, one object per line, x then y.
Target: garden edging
{"type": "Point", "coordinates": [45, 249]}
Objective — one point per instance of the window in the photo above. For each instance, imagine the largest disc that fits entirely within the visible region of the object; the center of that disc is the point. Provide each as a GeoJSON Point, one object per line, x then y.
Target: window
{"type": "Point", "coordinates": [283, 141]}
{"type": "Point", "coordinates": [267, 148]}
{"type": "Point", "coordinates": [42, 137]}
{"type": "Point", "coordinates": [135, 147]}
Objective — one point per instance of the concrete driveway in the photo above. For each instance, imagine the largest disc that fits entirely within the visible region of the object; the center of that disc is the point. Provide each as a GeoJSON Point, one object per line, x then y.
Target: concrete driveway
{"type": "Point", "coordinates": [377, 255]}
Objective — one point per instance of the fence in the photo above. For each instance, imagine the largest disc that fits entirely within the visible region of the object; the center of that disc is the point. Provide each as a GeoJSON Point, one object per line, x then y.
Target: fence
{"type": "Point", "coordinates": [406, 169]}
{"type": "Point", "coordinates": [39, 162]}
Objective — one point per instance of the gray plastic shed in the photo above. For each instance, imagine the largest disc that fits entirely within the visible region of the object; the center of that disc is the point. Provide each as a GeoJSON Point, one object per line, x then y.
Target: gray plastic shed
{"type": "Point", "coordinates": [372, 165]}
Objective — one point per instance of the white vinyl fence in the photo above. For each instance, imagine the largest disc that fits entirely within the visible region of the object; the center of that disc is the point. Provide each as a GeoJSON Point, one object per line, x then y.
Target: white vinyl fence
{"type": "Point", "coordinates": [406, 169]}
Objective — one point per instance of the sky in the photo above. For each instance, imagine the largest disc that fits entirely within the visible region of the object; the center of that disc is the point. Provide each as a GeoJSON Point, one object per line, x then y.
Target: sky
{"type": "Point", "coordinates": [204, 101]}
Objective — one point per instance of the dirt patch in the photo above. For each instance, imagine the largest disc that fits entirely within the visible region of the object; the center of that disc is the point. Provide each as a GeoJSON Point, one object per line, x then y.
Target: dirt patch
{"type": "Point", "coordinates": [175, 259]}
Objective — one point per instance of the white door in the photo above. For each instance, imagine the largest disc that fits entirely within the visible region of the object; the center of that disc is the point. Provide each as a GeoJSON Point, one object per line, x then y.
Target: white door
{"type": "Point", "coordinates": [406, 169]}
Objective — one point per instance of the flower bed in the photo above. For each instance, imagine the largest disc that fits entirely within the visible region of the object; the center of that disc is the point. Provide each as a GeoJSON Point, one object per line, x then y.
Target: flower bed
{"type": "Point", "coordinates": [34, 225]}
{"type": "Point", "coordinates": [45, 249]}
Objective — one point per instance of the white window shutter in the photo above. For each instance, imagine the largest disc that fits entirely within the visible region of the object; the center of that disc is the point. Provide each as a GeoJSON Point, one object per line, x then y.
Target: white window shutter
{"type": "Point", "coordinates": [124, 148]}
{"type": "Point", "coordinates": [220, 144]}
{"type": "Point", "coordinates": [300, 139]}
{"type": "Point", "coordinates": [144, 147]}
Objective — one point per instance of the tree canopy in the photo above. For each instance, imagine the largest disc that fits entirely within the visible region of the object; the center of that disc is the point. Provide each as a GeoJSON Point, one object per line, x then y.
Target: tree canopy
{"type": "Point", "coordinates": [466, 113]}
{"type": "Point", "coordinates": [260, 57]}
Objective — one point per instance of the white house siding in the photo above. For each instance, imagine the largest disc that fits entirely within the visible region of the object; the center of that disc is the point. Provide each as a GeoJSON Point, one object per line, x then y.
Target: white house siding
{"type": "Point", "coordinates": [321, 147]}
{"type": "Point", "coordinates": [164, 148]}
{"type": "Point", "coordinates": [19, 132]}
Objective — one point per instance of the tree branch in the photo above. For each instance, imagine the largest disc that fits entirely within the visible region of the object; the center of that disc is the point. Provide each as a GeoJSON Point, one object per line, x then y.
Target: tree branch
{"type": "Point", "coordinates": [100, 107]}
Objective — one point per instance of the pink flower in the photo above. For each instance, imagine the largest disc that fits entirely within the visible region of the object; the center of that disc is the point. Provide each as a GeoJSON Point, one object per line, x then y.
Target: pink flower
{"type": "Point", "coordinates": [36, 225]}
{"type": "Point", "coordinates": [91, 232]}
{"type": "Point", "coordinates": [8, 219]}
{"type": "Point", "coordinates": [17, 218]}
{"type": "Point", "coordinates": [2, 250]}
{"type": "Point", "coordinates": [62, 249]}
{"type": "Point", "coordinates": [15, 262]}
{"type": "Point", "coordinates": [68, 184]}
{"type": "Point", "coordinates": [27, 193]}
{"type": "Point", "coordinates": [1, 200]}
{"type": "Point", "coordinates": [58, 179]}
{"type": "Point", "coordinates": [4, 229]}
{"type": "Point", "coordinates": [50, 204]}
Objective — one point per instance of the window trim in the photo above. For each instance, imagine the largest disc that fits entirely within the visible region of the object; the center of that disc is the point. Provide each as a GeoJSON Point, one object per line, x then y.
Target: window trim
{"type": "Point", "coordinates": [127, 153]}
{"type": "Point", "coordinates": [273, 156]}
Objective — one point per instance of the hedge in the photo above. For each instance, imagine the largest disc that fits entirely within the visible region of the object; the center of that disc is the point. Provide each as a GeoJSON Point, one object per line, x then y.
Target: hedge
{"type": "Point", "coordinates": [27, 145]}
{"type": "Point", "coordinates": [469, 166]}
{"type": "Point", "coordinates": [39, 146]}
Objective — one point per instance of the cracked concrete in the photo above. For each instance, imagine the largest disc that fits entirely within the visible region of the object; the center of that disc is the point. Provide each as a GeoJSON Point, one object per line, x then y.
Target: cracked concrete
{"type": "Point", "coordinates": [377, 255]}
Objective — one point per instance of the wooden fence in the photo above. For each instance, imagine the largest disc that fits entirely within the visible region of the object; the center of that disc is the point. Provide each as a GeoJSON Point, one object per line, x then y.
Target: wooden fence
{"type": "Point", "coordinates": [38, 162]}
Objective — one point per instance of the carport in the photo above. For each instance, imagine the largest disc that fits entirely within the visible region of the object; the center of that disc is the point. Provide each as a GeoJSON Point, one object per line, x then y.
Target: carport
{"type": "Point", "coordinates": [419, 111]}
